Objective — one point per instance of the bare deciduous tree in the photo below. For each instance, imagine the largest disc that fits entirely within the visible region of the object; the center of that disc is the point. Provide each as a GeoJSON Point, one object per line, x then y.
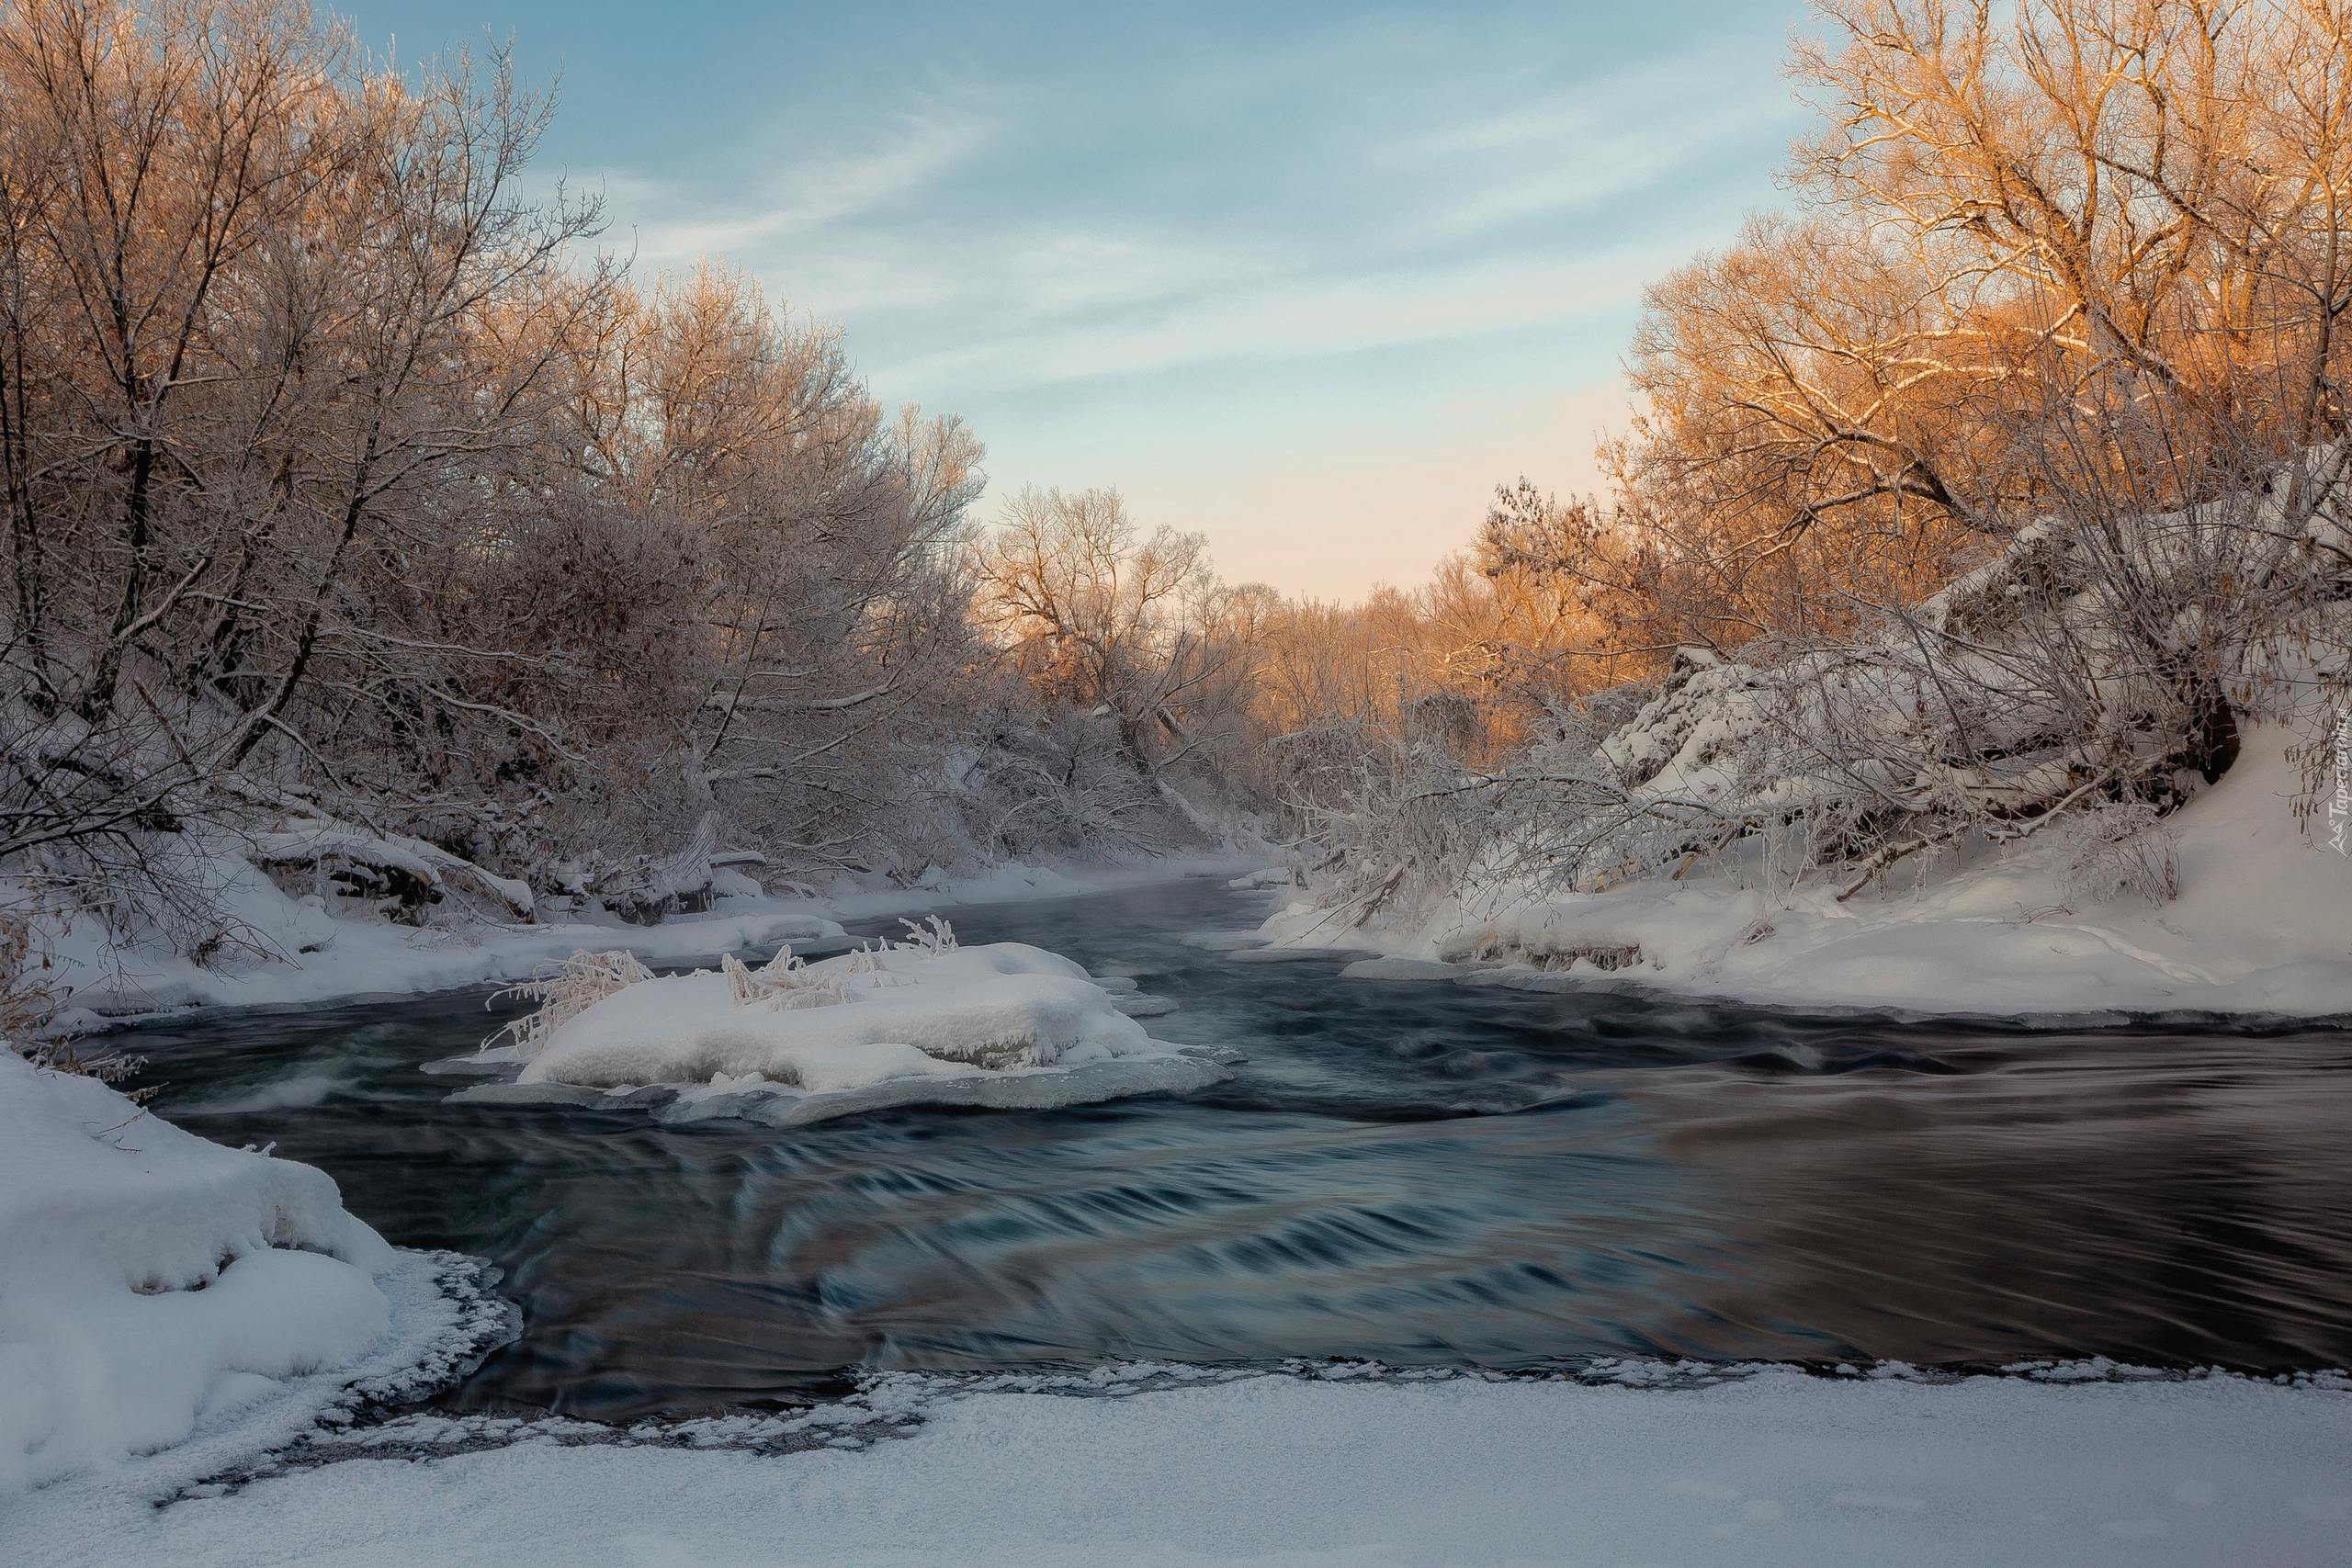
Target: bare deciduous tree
{"type": "Point", "coordinates": [1133, 627]}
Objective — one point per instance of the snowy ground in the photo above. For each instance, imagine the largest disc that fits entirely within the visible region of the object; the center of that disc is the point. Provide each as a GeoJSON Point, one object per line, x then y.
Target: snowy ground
{"type": "Point", "coordinates": [192, 1337]}
{"type": "Point", "coordinates": [187, 1331]}
{"type": "Point", "coordinates": [293, 953]}
{"type": "Point", "coordinates": [1289, 1471]}
{"type": "Point", "coordinates": [2263, 925]}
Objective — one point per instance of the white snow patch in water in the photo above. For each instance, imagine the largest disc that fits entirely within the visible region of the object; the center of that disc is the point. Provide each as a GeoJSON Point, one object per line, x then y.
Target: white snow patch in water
{"type": "Point", "coordinates": [1005, 1025]}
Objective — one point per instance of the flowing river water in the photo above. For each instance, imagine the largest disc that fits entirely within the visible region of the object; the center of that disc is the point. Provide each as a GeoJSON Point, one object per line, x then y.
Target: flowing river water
{"type": "Point", "coordinates": [1414, 1173]}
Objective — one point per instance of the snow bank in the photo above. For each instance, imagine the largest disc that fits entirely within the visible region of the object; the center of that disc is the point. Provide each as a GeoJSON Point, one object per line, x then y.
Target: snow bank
{"type": "Point", "coordinates": [2261, 926]}
{"type": "Point", "coordinates": [151, 1281]}
{"type": "Point", "coordinates": [424, 872]}
{"type": "Point", "coordinates": [289, 951]}
{"type": "Point", "coordinates": [285, 950]}
{"type": "Point", "coordinates": [1005, 1025]}
{"type": "Point", "coordinates": [1331, 1471]}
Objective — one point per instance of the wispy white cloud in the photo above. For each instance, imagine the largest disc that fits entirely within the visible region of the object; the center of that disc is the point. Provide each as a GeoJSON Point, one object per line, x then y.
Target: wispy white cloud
{"type": "Point", "coordinates": [910, 148]}
{"type": "Point", "coordinates": [1030, 288]}
{"type": "Point", "coordinates": [1584, 149]}
{"type": "Point", "coordinates": [1223, 316]}
{"type": "Point", "coordinates": [1027, 234]}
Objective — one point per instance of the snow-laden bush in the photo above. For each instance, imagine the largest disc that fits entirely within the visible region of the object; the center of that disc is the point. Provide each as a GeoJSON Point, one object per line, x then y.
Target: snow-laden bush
{"type": "Point", "coordinates": [564, 990]}
{"type": "Point", "coordinates": [2094, 667]}
{"type": "Point", "coordinates": [784, 983]}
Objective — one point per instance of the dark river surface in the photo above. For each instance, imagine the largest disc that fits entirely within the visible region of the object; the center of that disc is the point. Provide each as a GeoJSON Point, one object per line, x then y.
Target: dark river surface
{"type": "Point", "coordinates": [1416, 1173]}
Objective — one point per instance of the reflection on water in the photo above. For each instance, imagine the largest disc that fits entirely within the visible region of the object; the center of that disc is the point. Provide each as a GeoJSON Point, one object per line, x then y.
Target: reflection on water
{"type": "Point", "coordinates": [1414, 1172]}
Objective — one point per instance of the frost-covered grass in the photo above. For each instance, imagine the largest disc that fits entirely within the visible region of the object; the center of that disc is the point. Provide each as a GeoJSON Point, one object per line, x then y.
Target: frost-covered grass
{"type": "Point", "coordinates": [1328, 1467]}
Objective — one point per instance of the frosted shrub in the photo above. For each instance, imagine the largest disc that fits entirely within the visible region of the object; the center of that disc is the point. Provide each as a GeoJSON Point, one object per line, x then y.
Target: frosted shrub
{"type": "Point", "coordinates": [931, 938]}
{"type": "Point", "coordinates": [866, 963]}
{"type": "Point", "coordinates": [2121, 849]}
{"type": "Point", "coordinates": [564, 990]}
{"type": "Point", "coordinates": [745, 987]}
{"type": "Point", "coordinates": [25, 1001]}
{"type": "Point", "coordinates": [25, 1006]}
{"type": "Point", "coordinates": [783, 985]}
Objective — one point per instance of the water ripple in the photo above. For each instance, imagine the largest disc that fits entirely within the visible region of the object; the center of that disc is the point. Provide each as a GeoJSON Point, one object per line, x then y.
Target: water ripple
{"type": "Point", "coordinates": [1417, 1173]}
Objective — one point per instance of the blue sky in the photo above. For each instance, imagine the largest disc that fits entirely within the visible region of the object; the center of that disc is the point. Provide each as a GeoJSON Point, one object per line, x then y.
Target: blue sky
{"type": "Point", "coordinates": [1309, 279]}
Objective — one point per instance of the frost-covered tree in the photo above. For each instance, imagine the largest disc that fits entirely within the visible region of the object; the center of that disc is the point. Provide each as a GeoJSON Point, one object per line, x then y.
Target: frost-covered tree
{"type": "Point", "coordinates": [364, 523]}
{"type": "Point", "coordinates": [1133, 628]}
{"type": "Point", "coordinates": [270, 322]}
{"type": "Point", "coordinates": [1997, 491]}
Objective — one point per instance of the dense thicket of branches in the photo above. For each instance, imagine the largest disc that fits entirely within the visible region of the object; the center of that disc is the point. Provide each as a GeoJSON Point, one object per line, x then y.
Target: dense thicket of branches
{"type": "Point", "coordinates": [345, 484]}
{"type": "Point", "coordinates": [1989, 487]}
{"type": "Point", "coordinates": [348, 492]}
{"type": "Point", "coordinates": [2114, 226]}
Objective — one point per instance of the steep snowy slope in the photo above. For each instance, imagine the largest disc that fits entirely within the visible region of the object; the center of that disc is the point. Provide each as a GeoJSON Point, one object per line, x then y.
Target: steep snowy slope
{"type": "Point", "coordinates": [2263, 924]}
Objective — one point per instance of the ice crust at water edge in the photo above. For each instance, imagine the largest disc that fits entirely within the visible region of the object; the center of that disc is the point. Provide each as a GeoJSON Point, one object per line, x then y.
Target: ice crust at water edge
{"type": "Point", "coordinates": [1042, 1089]}
{"type": "Point", "coordinates": [1146, 1007]}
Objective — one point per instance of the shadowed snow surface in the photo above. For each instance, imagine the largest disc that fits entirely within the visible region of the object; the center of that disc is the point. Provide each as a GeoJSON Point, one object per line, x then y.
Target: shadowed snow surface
{"type": "Point", "coordinates": [1777, 1468]}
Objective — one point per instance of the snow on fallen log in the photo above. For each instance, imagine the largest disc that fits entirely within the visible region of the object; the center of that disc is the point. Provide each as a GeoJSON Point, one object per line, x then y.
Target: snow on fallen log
{"type": "Point", "coordinates": [645, 890]}
{"type": "Point", "coordinates": [920, 1022]}
{"type": "Point", "coordinates": [408, 872]}
{"type": "Point", "coordinates": [149, 1279]}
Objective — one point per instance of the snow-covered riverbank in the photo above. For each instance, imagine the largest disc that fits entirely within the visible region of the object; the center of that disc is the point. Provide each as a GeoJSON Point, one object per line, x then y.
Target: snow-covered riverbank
{"type": "Point", "coordinates": [292, 952]}
{"type": "Point", "coordinates": [2262, 925]}
{"type": "Point", "coordinates": [1307, 1472]}
{"type": "Point", "coordinates": [1327, 1465]}
{"type": "Point", "coordinates": [159, 1292]}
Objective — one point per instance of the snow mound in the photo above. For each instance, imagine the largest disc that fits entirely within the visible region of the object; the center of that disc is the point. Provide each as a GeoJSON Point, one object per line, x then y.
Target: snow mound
{"type": "Point", "coordinates": [1006, 1025]}
{"type": "Point", "coordinates": [151, 1281]}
